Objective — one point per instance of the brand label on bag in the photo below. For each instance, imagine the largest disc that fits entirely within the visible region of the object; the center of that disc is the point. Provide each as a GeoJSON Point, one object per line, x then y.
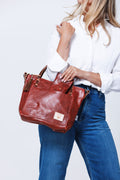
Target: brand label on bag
{"type": "Point", "coordinates": [58, 116]}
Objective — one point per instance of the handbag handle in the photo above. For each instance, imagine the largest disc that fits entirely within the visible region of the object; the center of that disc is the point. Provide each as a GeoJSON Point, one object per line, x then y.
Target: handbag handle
{"type": "Point", "coordinates": [70, 90]}
{"type": "Point", "coordinates": [42, 71]}
{"type": "Point", "coordinates": [41, 74]}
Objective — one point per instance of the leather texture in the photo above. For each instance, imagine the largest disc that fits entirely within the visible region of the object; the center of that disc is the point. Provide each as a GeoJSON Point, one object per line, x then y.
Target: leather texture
{"type": "Point", "coordinates": [51, 103]}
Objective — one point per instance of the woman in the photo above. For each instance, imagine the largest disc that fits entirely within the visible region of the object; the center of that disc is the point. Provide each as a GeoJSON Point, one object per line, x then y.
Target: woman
{"type": "Point", "coordinates": [88, 51]}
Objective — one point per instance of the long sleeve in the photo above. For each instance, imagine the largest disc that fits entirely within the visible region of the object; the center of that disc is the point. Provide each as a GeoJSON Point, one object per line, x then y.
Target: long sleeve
{"type": "Point", "coordinates": [55, 63]}
{"type": "Point", "coordinates": [111, 81]}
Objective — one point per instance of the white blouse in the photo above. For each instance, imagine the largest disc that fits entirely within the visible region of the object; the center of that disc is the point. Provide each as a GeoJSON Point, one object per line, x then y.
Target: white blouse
{"type": "Point", "coordinates": [88, 54]}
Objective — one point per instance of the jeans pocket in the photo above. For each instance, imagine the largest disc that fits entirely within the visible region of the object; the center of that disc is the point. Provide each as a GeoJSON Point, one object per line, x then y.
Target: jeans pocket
{"type": "Point", "coordinates": [93, 107]}
{"type": "Point", "coordinates": [96, 108]}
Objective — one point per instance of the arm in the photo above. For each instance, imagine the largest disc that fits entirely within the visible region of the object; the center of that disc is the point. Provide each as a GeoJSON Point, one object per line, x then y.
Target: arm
{"type": "Point", "coordinates": [58, 53]}
{"type": "Point", "coordinates": [90, 76]}
{"type": "Point", "coordinates": [111, 81]}
{"type": "Point", "coordinates": [57, 58]}
{"type": "Point", "coordinates": [63, 48]}
{"type": "Point", "coordinates": [107, 81]}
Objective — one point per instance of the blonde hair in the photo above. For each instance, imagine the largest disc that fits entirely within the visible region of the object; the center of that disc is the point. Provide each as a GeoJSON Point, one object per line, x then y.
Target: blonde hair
{"type": "Point", "coordinates": [99, 11]}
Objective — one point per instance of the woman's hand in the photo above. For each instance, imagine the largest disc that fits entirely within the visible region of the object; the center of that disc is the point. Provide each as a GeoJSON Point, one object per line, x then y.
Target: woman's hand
{"type": "Point", "coordinates": [70, 73]}
{"type": "Point", "coordinates": [66, 30]}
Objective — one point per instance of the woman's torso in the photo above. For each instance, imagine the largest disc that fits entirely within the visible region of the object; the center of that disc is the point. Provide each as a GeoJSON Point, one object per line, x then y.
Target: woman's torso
{"type": "Point", "coordinates": [89, 53]}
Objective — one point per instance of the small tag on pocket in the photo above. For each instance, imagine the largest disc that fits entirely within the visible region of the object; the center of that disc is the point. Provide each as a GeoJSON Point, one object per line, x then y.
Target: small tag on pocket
{"type": "Point", "coordinates": [58, 116]}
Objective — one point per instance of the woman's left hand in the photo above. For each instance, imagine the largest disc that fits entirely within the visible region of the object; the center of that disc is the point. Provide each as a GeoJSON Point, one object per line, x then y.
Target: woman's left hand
{"type": "Point", "coordinates": [70, 73]}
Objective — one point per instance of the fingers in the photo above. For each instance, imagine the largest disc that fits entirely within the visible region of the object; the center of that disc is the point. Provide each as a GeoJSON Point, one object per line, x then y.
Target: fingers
{"type": "Point", "coordinates": [58, 28]}
{"type": "Point", "coordinates": [65, 28]}
{"type": "Point", "coordinates": [68, 70]}
{"type": "Point", "coordinates": [68, 75]}
{"type": "Point", "coordinates": [63, 22]}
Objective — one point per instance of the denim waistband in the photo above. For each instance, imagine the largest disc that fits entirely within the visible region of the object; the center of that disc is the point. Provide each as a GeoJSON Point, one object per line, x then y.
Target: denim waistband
{"type": "Point", "coordinates": [92, 89]}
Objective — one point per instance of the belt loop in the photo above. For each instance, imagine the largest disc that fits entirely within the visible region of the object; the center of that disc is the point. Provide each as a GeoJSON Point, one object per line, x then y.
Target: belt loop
{"type": "Point", "coordinates": [99, 93]}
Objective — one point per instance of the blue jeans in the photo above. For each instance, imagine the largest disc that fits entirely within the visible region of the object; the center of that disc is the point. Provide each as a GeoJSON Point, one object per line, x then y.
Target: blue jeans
{"type": "Point", "coordinates": [94, 140]}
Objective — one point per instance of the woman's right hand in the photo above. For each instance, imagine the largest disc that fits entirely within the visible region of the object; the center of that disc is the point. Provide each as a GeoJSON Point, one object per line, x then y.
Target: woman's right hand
{"type": "Point", "coordinates": [66, 30]}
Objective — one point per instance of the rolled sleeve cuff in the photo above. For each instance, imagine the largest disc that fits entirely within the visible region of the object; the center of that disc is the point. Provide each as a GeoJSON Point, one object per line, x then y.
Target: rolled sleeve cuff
{"type": "Point", "coordinates": [57, 63]}
{"type": "Point", "coordinates": [106, 80]}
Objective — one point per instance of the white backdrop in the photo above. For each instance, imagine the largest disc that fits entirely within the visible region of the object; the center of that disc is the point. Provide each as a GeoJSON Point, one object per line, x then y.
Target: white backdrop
{"type": "Point", "coordinates": [25, 28]}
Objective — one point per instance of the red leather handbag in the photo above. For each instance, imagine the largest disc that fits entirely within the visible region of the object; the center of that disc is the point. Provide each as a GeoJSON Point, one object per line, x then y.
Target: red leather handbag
{"type": "Point", "coordinates": [51, 103]}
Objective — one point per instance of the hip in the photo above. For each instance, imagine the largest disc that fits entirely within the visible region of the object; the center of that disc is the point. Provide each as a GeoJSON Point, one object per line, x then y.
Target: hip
{"type": "Point", "coordinates": [93, 106]}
